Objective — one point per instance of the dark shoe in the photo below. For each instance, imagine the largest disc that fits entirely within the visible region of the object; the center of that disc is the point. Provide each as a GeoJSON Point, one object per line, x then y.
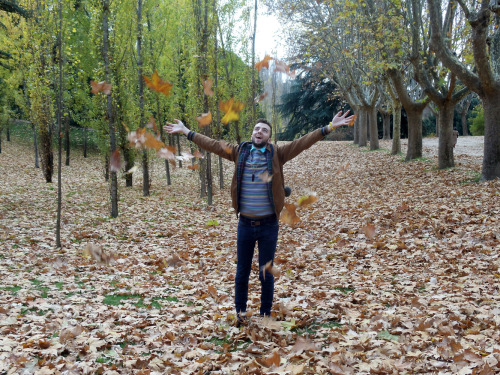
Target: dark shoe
{"type": "Point", "coordinates": [241, 319]}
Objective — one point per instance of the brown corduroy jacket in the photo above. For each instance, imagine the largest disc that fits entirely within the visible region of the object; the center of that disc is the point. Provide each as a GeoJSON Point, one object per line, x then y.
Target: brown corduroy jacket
{"type": "Point", "coordinates": [280, 155]}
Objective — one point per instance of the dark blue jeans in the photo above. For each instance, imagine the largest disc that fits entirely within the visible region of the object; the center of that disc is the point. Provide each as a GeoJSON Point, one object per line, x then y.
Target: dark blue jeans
{"type": "Point", "coordinates": [266, 236]}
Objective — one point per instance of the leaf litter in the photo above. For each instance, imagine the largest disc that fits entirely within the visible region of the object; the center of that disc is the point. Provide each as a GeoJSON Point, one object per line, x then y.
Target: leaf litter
{"type": "Point", "coordinates": [395, 269]}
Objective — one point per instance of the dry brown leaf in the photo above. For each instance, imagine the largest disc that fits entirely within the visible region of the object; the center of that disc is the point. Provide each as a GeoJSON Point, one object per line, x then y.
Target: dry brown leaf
{"type": "Point", "coordinates": [288, 215]}
{"type": "Point", "coordinates": [204, 119]}
{"type": "Point", "coordinates": [265, 176]}
{"type": "Point", "coordinates": [369, 230]}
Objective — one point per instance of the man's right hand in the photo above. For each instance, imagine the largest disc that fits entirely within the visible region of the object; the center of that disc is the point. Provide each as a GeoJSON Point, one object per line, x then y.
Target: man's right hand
{"type": "Point", "coordinates": [179, 127]}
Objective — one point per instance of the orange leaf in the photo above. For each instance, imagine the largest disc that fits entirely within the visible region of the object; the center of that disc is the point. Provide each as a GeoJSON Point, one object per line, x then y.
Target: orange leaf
{"type": "Point", "coordinates": [288, 215]}
{"type": "Point", "coordinates": [272, 360]}
{"type": "Point", "coordinates": [227, 148]}
{"type": "Point", "coordinates": [152, 124]}
{"type": "Point", "coordinates": [194, 167]}
{"type": "Point", "coordinates": [155, 83]}
{"type": "Point", "coordinates": [212, 291]}
{"type": "Point", "coordinates": [232, 110]}
{"type": "Point", "coordinates": [351, 123]}
{"type": "Point", "coordinates": [307, 200]}
{"type": "Point", "coordinates": [115, 163]}
{"type": "Point", "coordinates": [204, 119]}
{"type": "Point", "coordinates": [207, 87]}
{"type": "Point", "coordinates": [198, 155]}
{"type": "Point", "coordinates": [281, 66]}
{"type": "Point", "coordinates": [263, 63]}
{"type": "Point", "coordinates": [369, 230]}
{"type": "Point", "coordinates": [265, 176]}
{"type": "Point", "coordinates": [165, 153]}
{"type": "Point", "coordinates": [268, 267]}
{"type": "Point", "coordinates": [97, 252]}
{"type": "Point", "coordinates": [103, 87]}
{"type": "Point", "coordinates": [261, 97]}
{"type": "Point", "coordinates": [152, 142]}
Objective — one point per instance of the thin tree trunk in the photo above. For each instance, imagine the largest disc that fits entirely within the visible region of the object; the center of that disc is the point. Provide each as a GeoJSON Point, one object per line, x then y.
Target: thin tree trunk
{"type": "Point", "coordinates": [252, 120]}
{"type": "Point", "coordinates": [85, 136]}
{"type": "Point", "coordinates": [445, 149]}
{"type": "Point", "coordinates": [363, 127]}
{"type": "Point", "coordinates": [386, 124]}
{"type": "Point", "coordinates": [59, 129]}
{"type": "Point", "coordinates": [67, 142]}
{"type": "Point", "coordinates": [356, 129]}
{"type": "Point", "coordinates": [33, 128]}
{"type": "Point", "coordinates": [145, 161]}
{"type": "Point", "coordinates": [396, 130]}
{"type": "Point", "coordinates": [372, 114]}
{"type": "Point", "coordinates": [414, 134]}
{"type": "Point", "coordinates": [491, 161]}
{"type": "Point", "coordinates": [216, 85]}
{"type": "Point", "coordinates": [109, 110]}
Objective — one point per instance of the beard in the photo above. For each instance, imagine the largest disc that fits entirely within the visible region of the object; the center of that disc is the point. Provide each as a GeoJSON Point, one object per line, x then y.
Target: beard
{"type": "Point", "coordinates": [259, 144]}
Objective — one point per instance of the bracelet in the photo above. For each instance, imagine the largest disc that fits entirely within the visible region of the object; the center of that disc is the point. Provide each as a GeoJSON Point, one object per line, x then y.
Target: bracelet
{"type": "Point", "coordinates": [331, 126]}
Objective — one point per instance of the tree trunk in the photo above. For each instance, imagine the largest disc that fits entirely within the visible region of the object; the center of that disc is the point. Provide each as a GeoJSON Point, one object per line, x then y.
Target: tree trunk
{"type": "Point", "coordinates": [356, 130]}
{"type": "Point", "coordinates": [414, 134]}
{"type": "Point", "coordinates": [253, 93]}
{"type": "Point", "coordinates": [145, 161]}
{"type": "Point", "coordinates": [445, 149]}
{"type": "Point", "coordinates": [109, 112]}
{"type": "Point", "coordinates": [396, 129]}
{"type": "Point", "coordinates": [85, 136]}
{"type": "Point", "coordinates": [372, 114]}
{"type": "Point", "coordinates": [216, 85]}
{"type": "Point", "coordinates": [67, 143]}
{"type": "Point", "coordinates": [59, 129]}
{"type": "Point", "coordinates": [386, 124]}
{"type": "Point", "coordinates": [362, 127]}
{"type": "Point", "coordinates": [7, 132]}
{"type": "Point", "coordinates": [491, 161]}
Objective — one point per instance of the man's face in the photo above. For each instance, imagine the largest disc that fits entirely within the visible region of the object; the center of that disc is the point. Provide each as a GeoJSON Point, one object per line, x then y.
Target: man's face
{"type": "Point", "coordinates": [261, 134]}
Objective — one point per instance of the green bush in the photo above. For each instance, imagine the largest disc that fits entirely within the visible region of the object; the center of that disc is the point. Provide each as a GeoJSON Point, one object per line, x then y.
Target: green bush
{"type": "Point", "coordinates": [477, 121]}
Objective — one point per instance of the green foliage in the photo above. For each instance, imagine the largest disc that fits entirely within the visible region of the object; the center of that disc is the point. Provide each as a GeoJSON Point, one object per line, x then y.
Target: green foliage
{"type": "Point", "coordinates": [477, 121]}
{"type": "Point", "coordinates": [309, 105]}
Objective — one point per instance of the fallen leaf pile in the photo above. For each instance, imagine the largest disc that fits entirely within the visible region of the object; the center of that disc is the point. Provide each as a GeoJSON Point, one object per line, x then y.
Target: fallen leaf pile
{"type": "Point", "coordinates": [394, 269]}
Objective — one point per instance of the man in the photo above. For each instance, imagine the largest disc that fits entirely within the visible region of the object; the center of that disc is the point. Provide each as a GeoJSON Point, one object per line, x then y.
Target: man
{"type": "Point", "coordinates": [258, 196]}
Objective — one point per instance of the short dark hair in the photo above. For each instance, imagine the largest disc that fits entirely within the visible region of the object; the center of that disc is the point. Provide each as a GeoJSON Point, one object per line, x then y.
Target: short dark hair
{"type": "Point", "coordinates": [264, 121]}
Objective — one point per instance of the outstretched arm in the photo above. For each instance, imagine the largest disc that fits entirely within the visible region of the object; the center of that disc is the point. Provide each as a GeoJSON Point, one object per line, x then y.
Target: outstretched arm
{"type": "Point", "coordinates": [179, 127]}
{"type": "Point", "coordinates": [341, 120]}
{"type": "Point", "coordinates": [211, 145]}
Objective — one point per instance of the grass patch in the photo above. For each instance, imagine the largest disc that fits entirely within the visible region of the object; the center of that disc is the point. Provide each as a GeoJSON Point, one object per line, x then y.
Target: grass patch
{"type": "Point", "coordinates": [313, 328]}
{"type": "Point", "coordinates": [344, 290]}
{"type": "Point", "coordinates": [116, 299]}
{"type": "Point", "coordinates": [426, 160]}
{"type": "Point", "coordinates": [473, 180]}
{"type": "Point", "coordinates": [12, 289]}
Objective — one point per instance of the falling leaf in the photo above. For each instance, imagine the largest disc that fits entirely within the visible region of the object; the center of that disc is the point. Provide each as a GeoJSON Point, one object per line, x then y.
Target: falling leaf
{"type": "Point", "coordinates": [198, 155]}
{"type": "Point", "coordinates": [115, 162]}
{"type": "Point", "coordinates": [212, 291]}
{"type": "Point", "coordinates": [303, 345]}
{"type": "Point", "coordinates": [288, 215]}
{"type": "Point", "coordinates": [263, 63]}
{"type": "Point", "coordinates": [103, 87]}
{"type": "Point", "coordinates": [289, 325]}
{"type": "Point", "coordinates": [265, 176]}
{"type": "Point", "coordinates": [152, 124]}
{"type": "Point", "coordinates": [369, 230]}
{"type": "Point", "coordinates": [97, 253]}
{"type": "Point", "coordinates": [351, 123]}
{"type": "Point", "coordinates": [226, 147]}
{"type": "Point", "coordinates": [232, 110]}
{"type": "Point", "coordinates": [155, 83]}
{"type": "Point", "coordinates": [307, 200]}
{"type": "Point", "coordinates": [132, 170]}
{"type": "Point", "coordinates": [165, 153]}
{"type": "Point", "coordinates": [281, 66]}
{"type": "Point", "coordinates": [185, 156]}
{"type": "Point", "coordinates": [268, 267]}
{"type": "Point", "coordinates": [261, 97]}
{"type": "Point", "coordinates": [273, 360]}
{"type": "Point", "coordinates": [194, 167]}
{"type": "Point", "coordinates": [207, 87]}
{"type": "Point", "coordinates": [343, 167]}
{"type": "Point", "coordinates": [292, 74]}
{"type": "Point", "coordinates": [204, 119]}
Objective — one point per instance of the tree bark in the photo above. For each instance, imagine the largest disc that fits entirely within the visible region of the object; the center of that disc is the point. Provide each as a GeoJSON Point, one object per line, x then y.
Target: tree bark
{"type": "Point", "coordinates": [59, 128]}
{"type": "Point", "coordinates": [145, 160]}
{"type": "Point", "coordinates": [396, 129]}
{"type": "Point", "coordinates": [109, 111]}
{"type": "Point", "coordinates": [414, 134]}
{"type": "Point", "coordinates": [372, 115]}
{"type": "Point", "coordinates": [445, 149]}
{"type": "Point", "coordinates": [363, 127]}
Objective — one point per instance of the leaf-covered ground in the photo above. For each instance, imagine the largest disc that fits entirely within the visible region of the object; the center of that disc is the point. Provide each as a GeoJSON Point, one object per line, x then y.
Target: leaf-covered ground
{"type": "Point", "coordinates": [394, 270]}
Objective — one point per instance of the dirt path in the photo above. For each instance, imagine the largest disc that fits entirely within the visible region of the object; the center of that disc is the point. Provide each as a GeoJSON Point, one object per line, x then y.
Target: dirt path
{"type": "Point", "coordinates": [469, 147]}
